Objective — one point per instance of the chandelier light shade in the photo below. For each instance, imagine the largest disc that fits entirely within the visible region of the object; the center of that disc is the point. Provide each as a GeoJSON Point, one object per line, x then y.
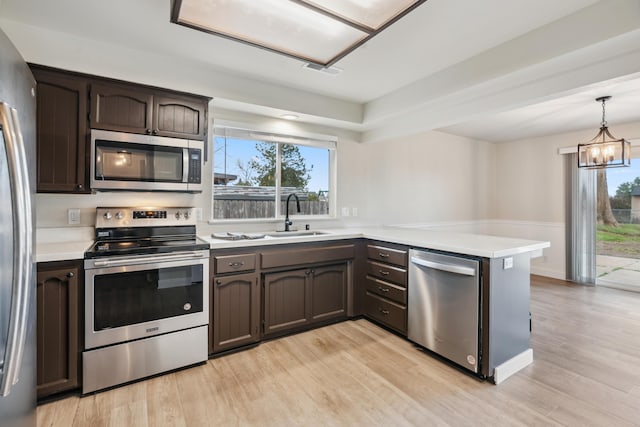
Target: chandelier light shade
{"type": "Point", "coordinates": [604, 151]}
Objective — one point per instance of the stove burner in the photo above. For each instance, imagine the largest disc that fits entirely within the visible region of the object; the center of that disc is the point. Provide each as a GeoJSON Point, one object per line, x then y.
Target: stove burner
{"type": "Point", "coordinates": [140, 231]}
{"type": "Point", "coordinates": [146, 246]}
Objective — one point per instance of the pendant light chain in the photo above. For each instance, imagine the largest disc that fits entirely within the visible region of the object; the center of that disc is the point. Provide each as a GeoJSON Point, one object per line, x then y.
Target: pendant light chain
{"type": "Point", "coordinates": [604, 122]}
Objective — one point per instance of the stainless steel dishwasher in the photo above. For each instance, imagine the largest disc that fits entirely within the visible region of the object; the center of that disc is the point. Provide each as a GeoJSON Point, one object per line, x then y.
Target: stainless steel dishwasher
{"type": "Point", "coordinates": [443, 305]}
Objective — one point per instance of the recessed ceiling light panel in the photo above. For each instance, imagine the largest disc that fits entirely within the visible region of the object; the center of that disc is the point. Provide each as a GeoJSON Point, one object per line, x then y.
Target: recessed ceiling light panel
{"type": "Point", "coordinates": [372, 14]}
{"type": "Point", "coordinates": [318, 31]}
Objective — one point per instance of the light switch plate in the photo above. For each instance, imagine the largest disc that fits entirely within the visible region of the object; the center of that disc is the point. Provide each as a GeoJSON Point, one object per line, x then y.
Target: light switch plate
{"type": "Point", "coordinates": [354, 211]}
{"type": "Point", "coordinates": [345, 211]}
{"type": "Point", "coordinates": [73, 216]}
{"type": "Point", "coordinates": [198, 213]}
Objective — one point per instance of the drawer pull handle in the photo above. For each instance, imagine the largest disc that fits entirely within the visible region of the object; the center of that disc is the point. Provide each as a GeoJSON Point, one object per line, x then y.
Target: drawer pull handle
{"type": "Point", "coordinates": [381, 289]}
{"type": "Point", "coordinates": [383, 255]}
{"type": "Point", "coordinates": [383, 311]}
{"type": "Point", "coordinates": [384, 273]}
{"type": "Point", "coordinates": [236, 264]}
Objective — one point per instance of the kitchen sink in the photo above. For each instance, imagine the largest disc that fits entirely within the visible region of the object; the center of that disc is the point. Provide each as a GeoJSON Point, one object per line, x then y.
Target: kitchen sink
{"type": "Point", "coordinates": [269, 235]}
{"type": "Point", "coordinates": [301, 233]}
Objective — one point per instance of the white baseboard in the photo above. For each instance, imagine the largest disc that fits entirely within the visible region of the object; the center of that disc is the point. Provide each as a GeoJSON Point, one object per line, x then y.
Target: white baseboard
{"type": "Point", "coordinates": [548, 272]}
{"type": "Point", "coordinates": [513, 365]}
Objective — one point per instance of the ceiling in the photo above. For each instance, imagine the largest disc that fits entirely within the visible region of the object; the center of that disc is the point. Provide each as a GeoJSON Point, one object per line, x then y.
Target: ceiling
{"type": "Point", "coordinates": [494, 70]}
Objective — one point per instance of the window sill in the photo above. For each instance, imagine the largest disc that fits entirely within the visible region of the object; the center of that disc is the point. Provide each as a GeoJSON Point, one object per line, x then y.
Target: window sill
{"type": "Point", "coordinates": [271, 220]}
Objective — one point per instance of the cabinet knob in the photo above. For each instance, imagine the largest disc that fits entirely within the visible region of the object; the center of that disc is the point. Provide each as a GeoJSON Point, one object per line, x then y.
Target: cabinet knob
{"type": "Point", "coordinates": [383, 255]}
{"type": "Point", "coordinates": [381, 289]}
{"type": "Point", "coordinates": [147, 131]}
{"type": "Point", "coordinates": [218, 281]}
{"type": "Point", "coordinates": [384, 273]}
{"type": "Point", "coordinates": [79, 187]}
{"type": "Point", "coordinates": [70, 274]}
{"type": "Point", "coordinates": [155, 131]}
{"type": "Point", "coordinates": [383, 311]}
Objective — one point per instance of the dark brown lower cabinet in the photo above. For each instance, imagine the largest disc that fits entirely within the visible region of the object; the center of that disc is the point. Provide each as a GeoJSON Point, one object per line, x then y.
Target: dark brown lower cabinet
{"type": "Point", "coordinates": [300, 297]}
{"type": "Point", "coordinates": [328, 292]}
{"type": "Point", "coordinates": [286, 300]}
{"type": "Point", "coordinates": [236, 311]}
{"type": "Point", "coordinates": [58, 327]}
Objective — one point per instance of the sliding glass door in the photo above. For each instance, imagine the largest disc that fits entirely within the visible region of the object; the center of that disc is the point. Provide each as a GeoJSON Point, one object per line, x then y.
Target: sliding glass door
{"type": "Point", "coordinates": [618, 227]}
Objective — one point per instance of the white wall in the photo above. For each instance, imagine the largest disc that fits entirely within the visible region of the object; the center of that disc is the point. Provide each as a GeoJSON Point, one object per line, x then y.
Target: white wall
{"type": "Point", "coordinates": [427, 177]}
{"type": "Point", "coordinates": [531, 191]}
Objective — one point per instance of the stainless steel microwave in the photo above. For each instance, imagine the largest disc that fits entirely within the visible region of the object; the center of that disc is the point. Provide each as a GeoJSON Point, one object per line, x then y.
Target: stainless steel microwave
{"type": "Point", "coordinates": [126, 161]}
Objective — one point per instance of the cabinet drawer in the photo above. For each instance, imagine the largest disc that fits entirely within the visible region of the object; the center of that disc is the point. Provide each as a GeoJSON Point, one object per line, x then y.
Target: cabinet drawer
{"type": "Point", "coordinates": [388, 290]}
{"type": "Point", "coordinates": [388, 255]}
{"type": "Point", "coordinates": [386, 312]}
{"type": "Point", "coordinates": [234, 263]}
{"type": "Point", "coordinates": [387, 272]}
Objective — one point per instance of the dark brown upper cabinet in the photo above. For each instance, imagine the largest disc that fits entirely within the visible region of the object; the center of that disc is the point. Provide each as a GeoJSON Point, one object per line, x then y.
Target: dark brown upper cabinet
{"type": "Point", "coordinates": [179, 117]}
{"type": "Point", "coordinates": [121, 108]}
{"type": "Point", "coordinates": [136, 109]}
{"type": "Point", "coordinates": [62, 132]}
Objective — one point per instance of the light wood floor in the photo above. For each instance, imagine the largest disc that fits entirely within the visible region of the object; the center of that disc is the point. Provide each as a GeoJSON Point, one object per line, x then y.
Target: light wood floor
{"type": "Point", "coordinates": [586, 372]}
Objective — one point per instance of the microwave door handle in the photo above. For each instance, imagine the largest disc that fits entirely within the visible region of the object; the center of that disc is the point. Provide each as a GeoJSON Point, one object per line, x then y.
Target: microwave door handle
{"type": "Point", "coordinates": [23, 250]}
{"type": "Point", "coordinates": [185, 165]}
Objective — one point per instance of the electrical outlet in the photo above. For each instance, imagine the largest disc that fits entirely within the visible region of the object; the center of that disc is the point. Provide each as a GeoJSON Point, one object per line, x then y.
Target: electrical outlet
{"type": "Point", "coordinates": [507, 263]}
{"type": "Point", "coordinates": [345, 211]}
{"type": "Point", "coordinates": [198, 213]}
{"type": "Point", "coordinates": [73, 216]}
{"type": "Point", "coordinates": [354, 211]}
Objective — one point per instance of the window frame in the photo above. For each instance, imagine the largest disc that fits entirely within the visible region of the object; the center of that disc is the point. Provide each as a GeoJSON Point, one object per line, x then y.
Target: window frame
{"type": "Point", "coordinates": [279, 137]}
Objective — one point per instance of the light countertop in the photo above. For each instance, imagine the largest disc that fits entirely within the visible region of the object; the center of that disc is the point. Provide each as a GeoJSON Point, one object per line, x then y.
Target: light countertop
{"type": "Point", "coordinates": [61, 251]}
{"type": "Point", "coordinates": [462, 243]}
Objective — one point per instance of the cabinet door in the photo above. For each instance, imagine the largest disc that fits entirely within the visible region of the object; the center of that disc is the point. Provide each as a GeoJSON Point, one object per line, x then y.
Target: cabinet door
{"type": "Point", "coordinates": [58, 329]}
{"type": "Point", "coordinates": [121, 108]}
{"type": "Point", "coordinates": [328, 292]}
{"type": "Point", "coordinates": [286, 300]}
{"type": "Point", "coordinates": [61, 134]}
{"type": "Point", "coordinates": [236, 311]}
{"type": "Point", "coordinates": [179, 118]}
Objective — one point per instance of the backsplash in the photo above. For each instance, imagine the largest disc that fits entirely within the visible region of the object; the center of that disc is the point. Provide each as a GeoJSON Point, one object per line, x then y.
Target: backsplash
{"type": "Point", "coordinates": [51, 209]}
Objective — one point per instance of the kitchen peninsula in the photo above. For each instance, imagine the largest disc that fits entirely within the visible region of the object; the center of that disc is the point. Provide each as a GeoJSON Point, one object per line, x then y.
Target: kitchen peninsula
{"type": "Point", "coordinates": [347, 273]}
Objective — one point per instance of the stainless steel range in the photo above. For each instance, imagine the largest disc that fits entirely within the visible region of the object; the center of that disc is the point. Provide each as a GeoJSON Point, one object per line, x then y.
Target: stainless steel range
{"type": "Point", "coordinates": [146, 295]}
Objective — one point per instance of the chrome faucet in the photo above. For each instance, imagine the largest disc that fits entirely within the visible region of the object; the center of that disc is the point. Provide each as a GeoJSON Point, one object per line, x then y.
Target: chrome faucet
{"type": "Point", "coordinates": [287, 221]}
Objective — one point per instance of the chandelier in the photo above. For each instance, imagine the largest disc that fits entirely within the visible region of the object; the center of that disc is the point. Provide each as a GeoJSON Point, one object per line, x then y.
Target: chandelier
{"type": "Point", "coordinates": [604, 151]}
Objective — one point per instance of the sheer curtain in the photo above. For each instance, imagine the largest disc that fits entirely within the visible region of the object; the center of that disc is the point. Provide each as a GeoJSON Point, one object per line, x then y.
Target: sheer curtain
{"type": "Point", "coordinates": [581, 222]}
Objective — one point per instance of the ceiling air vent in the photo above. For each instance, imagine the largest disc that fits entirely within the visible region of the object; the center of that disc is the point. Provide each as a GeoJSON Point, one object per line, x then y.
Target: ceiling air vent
{"type": "Point", "coordinates": [332, 71]}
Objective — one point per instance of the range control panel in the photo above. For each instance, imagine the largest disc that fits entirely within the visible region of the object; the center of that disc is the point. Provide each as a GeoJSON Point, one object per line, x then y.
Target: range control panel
{"type": "Point", "coordinates": [110, 217]}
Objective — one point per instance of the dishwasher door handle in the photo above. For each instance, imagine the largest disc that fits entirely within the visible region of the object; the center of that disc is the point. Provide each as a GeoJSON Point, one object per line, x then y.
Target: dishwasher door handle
{"type": "Point", "coordinates": [457, 269]}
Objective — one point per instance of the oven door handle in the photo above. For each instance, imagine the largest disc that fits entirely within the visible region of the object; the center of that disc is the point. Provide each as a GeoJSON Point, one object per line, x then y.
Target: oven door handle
{"type": "Point", "coordinates": [144, 260]}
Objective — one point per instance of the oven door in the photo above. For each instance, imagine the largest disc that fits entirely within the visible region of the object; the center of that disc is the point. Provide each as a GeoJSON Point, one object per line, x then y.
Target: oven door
{"type": "Point", "coordinates": [128, 298]}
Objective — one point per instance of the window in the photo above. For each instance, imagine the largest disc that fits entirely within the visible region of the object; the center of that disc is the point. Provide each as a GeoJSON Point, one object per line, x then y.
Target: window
{"type": "Point", "coordinates": [255, 172]}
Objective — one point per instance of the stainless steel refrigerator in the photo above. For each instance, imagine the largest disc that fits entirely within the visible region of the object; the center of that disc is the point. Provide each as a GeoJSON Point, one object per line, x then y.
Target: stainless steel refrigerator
{"type": "Point", "coordinates": [17, 280]}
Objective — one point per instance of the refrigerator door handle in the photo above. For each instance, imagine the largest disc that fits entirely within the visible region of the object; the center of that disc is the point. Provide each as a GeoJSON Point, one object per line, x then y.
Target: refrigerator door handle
{"type": "Point", "coordinates": [22, 248]}
{"type": "Point", "coordinates": [457, 269]}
